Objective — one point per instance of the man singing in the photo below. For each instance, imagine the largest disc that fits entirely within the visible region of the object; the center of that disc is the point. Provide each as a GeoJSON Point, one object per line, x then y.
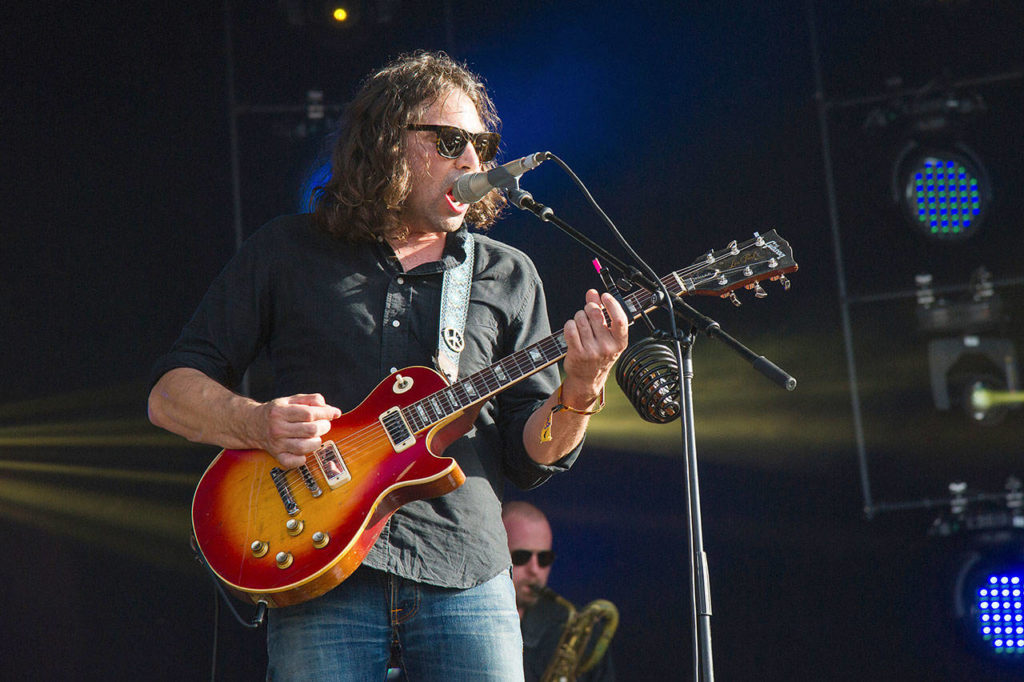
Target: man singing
{"type": "Point", "coordinates": [341, 298]}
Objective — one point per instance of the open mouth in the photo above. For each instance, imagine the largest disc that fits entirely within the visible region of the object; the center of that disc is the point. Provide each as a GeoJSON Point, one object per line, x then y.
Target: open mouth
{"type": "Point", "coordinates": [456, 205]}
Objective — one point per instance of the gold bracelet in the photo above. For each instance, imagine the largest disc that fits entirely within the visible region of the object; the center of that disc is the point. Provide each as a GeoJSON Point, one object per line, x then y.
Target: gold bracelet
{"type": "Point", "coordinates": [545, 433]}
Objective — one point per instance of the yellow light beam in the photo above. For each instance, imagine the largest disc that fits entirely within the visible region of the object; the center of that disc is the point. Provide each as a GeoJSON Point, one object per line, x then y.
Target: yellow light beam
{"type": "Point", "coordinates": [146, 529]}
{"type": "Point", "coordinates": [89, 433]}
{"type": "Point", "coordinates": [74, 506]}
{"type": "Point", "coordinates": [129, 397]}
{"type": "Point", "coordinates": [101, 473]}
{"type": "Point", "coordinates": [984, 398]}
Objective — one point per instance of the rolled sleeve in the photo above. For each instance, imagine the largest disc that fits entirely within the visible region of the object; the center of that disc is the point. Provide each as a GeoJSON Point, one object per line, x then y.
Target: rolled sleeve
{"type": "Point", "coordinates": [515, 406]}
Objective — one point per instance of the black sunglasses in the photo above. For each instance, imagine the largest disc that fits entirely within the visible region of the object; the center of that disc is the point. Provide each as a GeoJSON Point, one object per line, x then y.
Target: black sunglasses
{"type": "Point", "coordinates": [522, 556]}
{"type": "Point", "coordinates": [452, 141]}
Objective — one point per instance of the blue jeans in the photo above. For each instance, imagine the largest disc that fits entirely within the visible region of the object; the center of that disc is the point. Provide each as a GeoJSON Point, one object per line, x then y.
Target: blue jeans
{"type": "Point", "coordinates": [444, 635]}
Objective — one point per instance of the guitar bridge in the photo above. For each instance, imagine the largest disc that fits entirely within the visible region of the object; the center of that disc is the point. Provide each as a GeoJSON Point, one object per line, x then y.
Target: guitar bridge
{"type": "Point", "coordinates": [277, 475]}
{"type": "Point", "coordinates": [332, 465]}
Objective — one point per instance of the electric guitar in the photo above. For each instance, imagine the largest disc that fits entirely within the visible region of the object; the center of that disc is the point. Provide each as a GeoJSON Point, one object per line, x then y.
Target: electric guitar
{"type": "Point", "coordinates": [286, 536]}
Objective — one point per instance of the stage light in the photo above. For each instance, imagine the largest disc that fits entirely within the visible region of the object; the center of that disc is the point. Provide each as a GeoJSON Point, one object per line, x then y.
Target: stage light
{"type": "Point", "coordinates": [990, 599]}
{"type": "Point", "coordinates": [988, 577]}
{"type": "Point", "coordinates": [317, 176]}
{"type": "Point", "coordinates": [938, 182]}
{"type": "Point", "coordinates": [342, 15]}
{"type": "Point", "coordinates": [966, 370]}
{"type": "Point", "coordinates": [983, 398]}
{"type": "Point", "coordinates": [973, 367]}
{"type": "Point", "coordinates": [944, 192]}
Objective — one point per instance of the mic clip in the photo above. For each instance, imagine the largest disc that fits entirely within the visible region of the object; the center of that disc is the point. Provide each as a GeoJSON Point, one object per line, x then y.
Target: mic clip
{"type": "Point", "coordinates": [522, 199]}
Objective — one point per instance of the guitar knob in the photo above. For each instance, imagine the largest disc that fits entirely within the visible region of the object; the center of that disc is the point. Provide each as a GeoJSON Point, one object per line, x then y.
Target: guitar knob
{"type": "Point", "coordinates": [294, 526]}
{"type": "Point", "coordinates": [320, 539]}
{"type": "Point", "coordinates": [284, 559]}
{"type": "Point", "coordinates": [735, 299]}
{"type": "Point", "coordinates": [259, 548]}
{"type": "Point", "coordinates": [759, 291]}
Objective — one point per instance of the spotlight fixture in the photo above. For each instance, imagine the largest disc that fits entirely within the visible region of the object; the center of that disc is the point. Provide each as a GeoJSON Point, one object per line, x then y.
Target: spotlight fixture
{"type": "Point", "coordinates": [964, 370]}
{"type": "Point", "coordinates": [341, 15]}
{"type": "Point", "coordinates": [973, 361]}
{"type": "Point", "coordinates": [939, 183]}
{"type": "Point", "coordinates": [990, 599]}
{"type": "Point", "coordinates": [988, 590]}
{"type": "Point", "coordinates": [317, 176]}
{"type": "Point", "coordinates": [943, 192]}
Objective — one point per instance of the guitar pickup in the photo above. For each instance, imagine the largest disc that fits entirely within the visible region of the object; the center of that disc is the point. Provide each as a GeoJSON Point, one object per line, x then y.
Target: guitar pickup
{"type": "Point", "coordinates": [307, 478]}
{"type": "Point", "coordinates": [398, 431]}
{"type": "Point", "coordinates": [332, 465]}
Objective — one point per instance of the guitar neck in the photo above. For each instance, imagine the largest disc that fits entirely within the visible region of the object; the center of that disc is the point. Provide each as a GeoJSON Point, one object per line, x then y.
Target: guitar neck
{"type": "Point", "coordinates": [717, 273]}
{"type": "Point", "coordinates": [494, 379]}
{"type": "Point", "coordinates": [481, 385]}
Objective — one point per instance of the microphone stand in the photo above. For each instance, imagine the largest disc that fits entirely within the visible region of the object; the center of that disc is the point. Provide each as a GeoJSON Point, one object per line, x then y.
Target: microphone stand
{"type": "Point", "coordinates": [700, 586]}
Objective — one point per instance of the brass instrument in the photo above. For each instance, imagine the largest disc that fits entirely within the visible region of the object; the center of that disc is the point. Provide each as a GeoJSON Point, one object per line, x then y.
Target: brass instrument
{"type": "Point", "coordinates": [579, 627]}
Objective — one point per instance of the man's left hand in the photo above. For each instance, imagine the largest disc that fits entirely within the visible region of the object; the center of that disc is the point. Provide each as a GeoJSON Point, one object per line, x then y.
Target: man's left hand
{"type": "Point", "coordinates": [593, 345]}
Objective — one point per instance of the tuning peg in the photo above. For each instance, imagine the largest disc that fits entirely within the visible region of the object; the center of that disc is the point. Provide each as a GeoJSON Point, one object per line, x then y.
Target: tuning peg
{"type": "Point", "coordinates": [759, 291]}
{"type": "Point", "coordinates": [735, 300]}
{"type": "Point", "coordinates": [784, 281]}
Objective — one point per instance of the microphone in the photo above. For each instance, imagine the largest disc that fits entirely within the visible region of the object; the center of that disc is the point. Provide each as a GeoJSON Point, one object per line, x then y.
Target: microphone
{"type": "Point", "coordinates": [649, 376]}
{"type": "Point", "coordinates": [472, 187]}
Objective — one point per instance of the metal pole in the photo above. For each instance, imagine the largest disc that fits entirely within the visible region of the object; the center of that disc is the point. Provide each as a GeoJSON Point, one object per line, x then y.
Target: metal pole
{"type": "Point", "coordinates": [844, 304]}
{"type": "Point", "coordinates": [236, 179]}
{"type": "Point", "coordinates": [236, 173]}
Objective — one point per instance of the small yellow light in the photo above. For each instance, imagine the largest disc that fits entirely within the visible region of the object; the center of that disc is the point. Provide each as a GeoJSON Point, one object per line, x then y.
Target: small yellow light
{"type": "Point", "coordinates": [340, 14]}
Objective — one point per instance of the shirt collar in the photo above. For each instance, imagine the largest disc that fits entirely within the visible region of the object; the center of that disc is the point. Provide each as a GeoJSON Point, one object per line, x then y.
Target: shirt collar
{"type": "Point", "coordinates": [454, 254]}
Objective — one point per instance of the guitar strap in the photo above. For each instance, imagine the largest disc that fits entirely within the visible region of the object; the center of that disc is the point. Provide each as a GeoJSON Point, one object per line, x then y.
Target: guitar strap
{"type": "Point", "coordinates": [454, 308]}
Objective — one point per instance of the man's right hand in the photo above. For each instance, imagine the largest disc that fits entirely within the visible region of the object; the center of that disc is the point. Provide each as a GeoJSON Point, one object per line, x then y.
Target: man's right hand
{"type": "Point", "coordinates": [289, 428]}
{"type": "Point", "coordinates": [187, 402]}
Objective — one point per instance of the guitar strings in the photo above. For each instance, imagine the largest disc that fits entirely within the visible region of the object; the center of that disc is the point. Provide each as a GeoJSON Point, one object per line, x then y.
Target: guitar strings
{"type": "Point", "coordinates": [375, 434]}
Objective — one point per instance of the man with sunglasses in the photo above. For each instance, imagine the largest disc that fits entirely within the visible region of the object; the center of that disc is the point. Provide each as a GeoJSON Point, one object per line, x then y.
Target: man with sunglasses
{"type": "Point", "coordinates": [542, 619]}
{"type": "Point", "coordinates": [343, 297]}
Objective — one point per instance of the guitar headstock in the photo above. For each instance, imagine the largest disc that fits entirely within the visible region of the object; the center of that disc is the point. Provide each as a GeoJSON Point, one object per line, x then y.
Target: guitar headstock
{"type": "Point", "coordinates": [719, 273]}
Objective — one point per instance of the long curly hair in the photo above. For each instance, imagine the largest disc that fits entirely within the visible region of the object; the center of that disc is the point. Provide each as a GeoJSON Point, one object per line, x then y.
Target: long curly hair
{"type": "Point", "coordinates": [370, 177]}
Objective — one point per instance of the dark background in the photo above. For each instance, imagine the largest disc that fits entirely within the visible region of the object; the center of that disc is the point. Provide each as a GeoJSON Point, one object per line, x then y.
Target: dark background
{"type": "Point", "coordinates": [693, 124]}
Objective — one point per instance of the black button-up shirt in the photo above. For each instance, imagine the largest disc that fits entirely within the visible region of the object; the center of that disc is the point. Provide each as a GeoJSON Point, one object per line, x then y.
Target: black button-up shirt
{"type": "Point", "coordinates": [337, 318]}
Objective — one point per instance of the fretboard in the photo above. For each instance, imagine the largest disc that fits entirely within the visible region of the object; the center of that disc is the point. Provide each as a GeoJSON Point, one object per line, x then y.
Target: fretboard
{"type": "Point", "coordinates": [483, 384]}
{"type": "Point", "coordinates": [715, 273]}
{"type": "Point", "coordinates": [496, 378]}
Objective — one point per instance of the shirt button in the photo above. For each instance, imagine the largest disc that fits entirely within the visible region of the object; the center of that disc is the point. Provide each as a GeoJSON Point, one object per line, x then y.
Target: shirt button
{"type": "Point", "coordinates": [400, 280]}
{"type": "Point", "coordinates": [395, 323]}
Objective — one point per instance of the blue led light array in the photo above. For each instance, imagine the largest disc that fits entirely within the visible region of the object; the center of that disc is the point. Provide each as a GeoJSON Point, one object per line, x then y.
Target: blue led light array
{"type": "Point", "coordinates": [999, 609]}
{"type": "Point", "coordinates": [947, 196]}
